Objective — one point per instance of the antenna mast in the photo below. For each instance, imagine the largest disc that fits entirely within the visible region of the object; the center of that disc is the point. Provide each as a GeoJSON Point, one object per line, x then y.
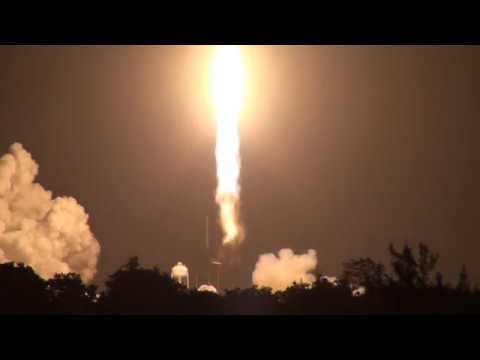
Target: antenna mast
{"type": "Point", "coordinates": [206, 232]}
{"type": "Point", "coordinates": [208, 253]}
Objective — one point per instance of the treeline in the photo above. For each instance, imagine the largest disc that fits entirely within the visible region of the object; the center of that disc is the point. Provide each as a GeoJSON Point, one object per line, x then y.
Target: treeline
{"type": "Point", "coordinates": [410, 287]}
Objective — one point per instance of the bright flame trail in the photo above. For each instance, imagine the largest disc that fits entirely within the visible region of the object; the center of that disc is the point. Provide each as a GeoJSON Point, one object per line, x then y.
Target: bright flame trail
{"type": "Point", "coordinates": [228, 89]}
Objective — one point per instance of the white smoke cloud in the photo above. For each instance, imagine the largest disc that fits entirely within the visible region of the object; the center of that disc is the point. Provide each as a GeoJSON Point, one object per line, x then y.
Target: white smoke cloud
{"type": "Point", "coordinates": [281, 272]}
{"type": "Point", "coordinates": [50, 235]}
{"type": "Point", "coordinates": [331, 279]}
{"type": "Point", "coordinates": [209, 288]}
{"type": "Point", "coordinates": [356, 290]}
{"type": "Point", "coordinates": [359, 291]}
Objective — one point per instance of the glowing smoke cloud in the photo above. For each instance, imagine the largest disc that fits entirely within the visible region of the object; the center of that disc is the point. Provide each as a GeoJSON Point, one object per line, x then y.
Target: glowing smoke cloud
{"type": "Point", "coordinates": [50, 235]}
{"type": "Point", "coordinates": [331, 279]}
{"type": "Point", "coordinates": [359, 291]}
{"type": "Point", "coordinates": [209, 288]}
{"type": "Point", "coordinates": [280, 272]}
{"type": "Point", "coordinates": [227, 90]}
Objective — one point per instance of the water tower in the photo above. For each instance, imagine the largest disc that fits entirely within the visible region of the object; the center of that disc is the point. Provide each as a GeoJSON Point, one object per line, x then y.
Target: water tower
{"type": "Point", "coordinates": [180, 274]}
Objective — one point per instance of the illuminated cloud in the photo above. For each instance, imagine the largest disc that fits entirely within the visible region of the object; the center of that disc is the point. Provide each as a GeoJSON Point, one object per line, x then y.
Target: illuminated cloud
{"type": "Point", "coordinates": [51, 235]}
{"type": "Point", "coordinates": [280, 272]}
{"type": "Point", "coordinates": [209, 288]}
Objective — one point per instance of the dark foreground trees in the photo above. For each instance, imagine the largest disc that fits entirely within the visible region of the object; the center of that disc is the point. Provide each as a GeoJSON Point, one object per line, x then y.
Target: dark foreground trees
{"type": "Point", "coordinates": [409, 285]}
{"type": "Point", "coordinates": [135, 290]}
{"type": "Point", "coordinates": [22, 291]}
{"type": "Point", "coordinates": [69, 295]}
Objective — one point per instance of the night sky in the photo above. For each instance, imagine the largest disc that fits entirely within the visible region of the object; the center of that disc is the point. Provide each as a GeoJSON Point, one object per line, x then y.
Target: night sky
{"type": "Point", "coordinates": [344, 149]}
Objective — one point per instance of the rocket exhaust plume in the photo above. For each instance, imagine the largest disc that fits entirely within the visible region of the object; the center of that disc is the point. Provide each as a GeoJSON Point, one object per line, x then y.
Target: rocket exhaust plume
{"type": "Point", "coordinates": [227, 90]}
{"type": "Point", "coordinates": [51, 235]}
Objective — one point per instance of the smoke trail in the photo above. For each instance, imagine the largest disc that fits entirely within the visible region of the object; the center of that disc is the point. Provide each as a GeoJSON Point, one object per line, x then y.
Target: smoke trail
{"type": "Point", "coordinates": [227, 86]}
{"type": "Point", "coordinates": [50, 235]}
{"type": "Point", "coordinates": [280, 272]}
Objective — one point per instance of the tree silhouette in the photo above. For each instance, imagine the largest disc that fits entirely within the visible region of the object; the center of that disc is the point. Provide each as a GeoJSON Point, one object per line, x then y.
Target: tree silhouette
{"type": "Point", "coordinates": [22, 291]}
{"type": "Point", "coordinates": [426, 264]}
{"type": "Point", "coordinates": [250, 301]}
{"type": "Point", "coordinates": [203, 303]}
{"type": "Point", "coordinates": [69, 295]}
{"type": "Point", "coordinates": [412, 272]}
{"type": "Point", "coordinates": [364, 272]}
{"type": "Point", "coordinates": [295, 299]}
{"type": "Point", "coordinates": [463, 285]}
{"type": "Point", "coordinates": [404, 266]}
{"type": "Point", "coordinates": [133, 289]}
{"type": "Point", "coordinates": [136, 290]}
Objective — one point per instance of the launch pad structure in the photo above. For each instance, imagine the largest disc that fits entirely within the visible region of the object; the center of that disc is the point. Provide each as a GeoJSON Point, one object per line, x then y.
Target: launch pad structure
{"type": "Point", "coordinates": [180, 271]}
{"type": "Point", "coordinates": [212, 261]}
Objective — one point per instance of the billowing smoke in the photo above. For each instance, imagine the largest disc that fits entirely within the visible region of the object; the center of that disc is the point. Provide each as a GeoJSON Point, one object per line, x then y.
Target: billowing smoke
{"type": "Point", "coordinates": [51, 235]}
{"type": "Point", "coordinates": [359, 291]}
{"type": "Point", "coordinates": [280, 272]}
{"type": "Point", "coordinates": [331, 279]}
{"type": "Point", "coordinates": [209, 288]}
